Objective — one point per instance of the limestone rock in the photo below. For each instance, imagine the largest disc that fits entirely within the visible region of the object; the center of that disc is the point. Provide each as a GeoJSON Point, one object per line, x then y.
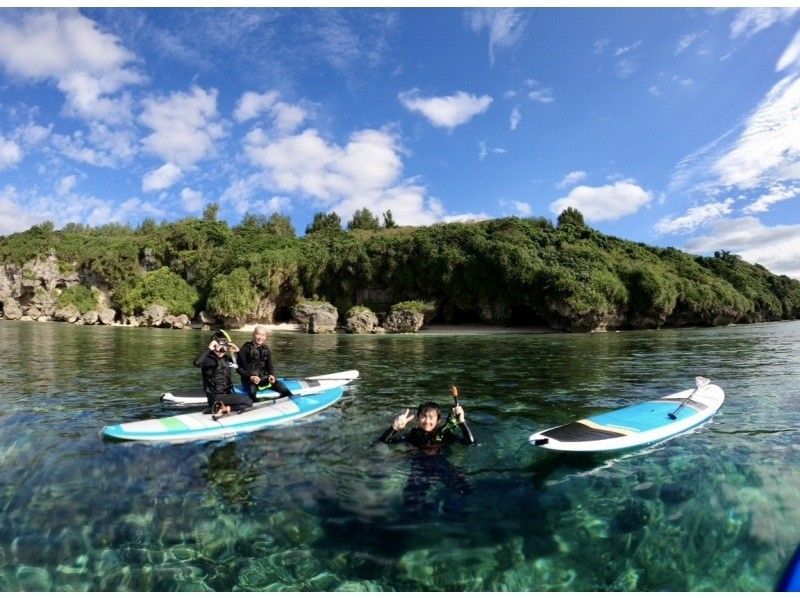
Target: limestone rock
{"type": "Point", "coordinates": [154, 315]}
{"type": "Point", "coordinates": [106, 316]}
{"type": "Point", "coordinates": [67, 314]}
{"type": "Point", "coordinates": [403, 320]}
{"type": "Point", "coordinates": [363, 321]}
{"type": "Point", "coordinates": [91, 317]}
{"type": "Point", "coordinates": [11, 309]}
{"type": "Point", "coordinates": [316, 317]}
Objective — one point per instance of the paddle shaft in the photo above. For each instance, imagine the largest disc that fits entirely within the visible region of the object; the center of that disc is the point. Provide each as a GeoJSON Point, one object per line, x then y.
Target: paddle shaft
{"type": "Point", "coordinates": [701, 382]}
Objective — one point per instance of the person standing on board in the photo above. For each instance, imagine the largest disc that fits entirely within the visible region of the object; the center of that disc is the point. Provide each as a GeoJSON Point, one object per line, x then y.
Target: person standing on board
{"type": "Point", "coordinates": [255, 366]}
{"type": "Point", "coordinates": [215, 365]}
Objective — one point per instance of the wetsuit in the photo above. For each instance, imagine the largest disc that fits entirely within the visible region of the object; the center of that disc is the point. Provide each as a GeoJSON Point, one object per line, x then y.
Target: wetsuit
{"type": "Point", "coordinates": [255, 360]}
{"type": "Point", "coordinates": [429, 464]}
{"type": "Point", "coordinates": [217, 381]}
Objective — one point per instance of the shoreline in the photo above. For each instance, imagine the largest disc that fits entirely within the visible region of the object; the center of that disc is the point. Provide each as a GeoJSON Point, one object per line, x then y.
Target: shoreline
{"type": "Point", "coordinates": [432, 330]}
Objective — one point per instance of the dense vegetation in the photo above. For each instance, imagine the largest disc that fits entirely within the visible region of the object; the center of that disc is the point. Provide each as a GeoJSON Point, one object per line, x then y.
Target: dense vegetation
{"type": "Point", "coordinates": [510, 270]}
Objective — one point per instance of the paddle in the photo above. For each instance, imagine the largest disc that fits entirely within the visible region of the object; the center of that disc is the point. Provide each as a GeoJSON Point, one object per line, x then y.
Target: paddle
{"type": "Point", "coordinates": [699, 383]}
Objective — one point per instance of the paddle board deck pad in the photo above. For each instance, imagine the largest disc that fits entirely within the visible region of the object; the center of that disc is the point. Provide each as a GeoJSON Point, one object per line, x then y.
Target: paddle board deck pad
{"type": "Point", "coordinates": [203, 426]}
{"type": "Point", "coordinates": [634, 425]}
{"type": "Point", "coordinates": [298, 386]}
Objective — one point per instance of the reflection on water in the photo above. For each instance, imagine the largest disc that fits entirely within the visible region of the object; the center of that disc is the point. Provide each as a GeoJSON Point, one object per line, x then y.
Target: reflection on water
{"type": "Point", "coordinates": [317, 506]}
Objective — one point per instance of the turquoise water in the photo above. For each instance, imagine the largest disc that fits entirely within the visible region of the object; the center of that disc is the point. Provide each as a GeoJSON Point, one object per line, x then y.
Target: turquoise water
{"type": "Point", "coordinates": [317, 506]}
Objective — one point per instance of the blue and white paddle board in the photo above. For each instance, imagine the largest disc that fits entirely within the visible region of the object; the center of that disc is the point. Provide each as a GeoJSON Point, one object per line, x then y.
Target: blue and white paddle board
{"type": "Point", "coordinates": [634, 425]}
{"type": "Point", "coordinates": [790, 580]}
{"type": "Point", "coordinates": [203, 426]}
{"type": "Point", "coordinates": [298, 386]}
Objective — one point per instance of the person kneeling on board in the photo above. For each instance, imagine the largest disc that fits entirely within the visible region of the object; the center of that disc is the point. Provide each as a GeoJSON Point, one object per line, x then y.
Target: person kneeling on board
{"type": "Point", "coordinates": [255, 366]}
{"type": "Point", "coordinates": [216, 370]}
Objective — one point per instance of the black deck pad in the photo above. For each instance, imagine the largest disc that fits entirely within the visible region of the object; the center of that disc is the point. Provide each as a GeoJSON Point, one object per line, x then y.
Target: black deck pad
{"type": "Point", "coordinates": [578, 432]}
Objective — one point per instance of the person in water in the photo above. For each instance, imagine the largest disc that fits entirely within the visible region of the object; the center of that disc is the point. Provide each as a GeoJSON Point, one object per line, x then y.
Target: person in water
{"type": "Point", "coordinates": [215, 366]}
{"type": "Point", "coordinates": [255, 366]}
{"type": "Point", "coordinates": [429, 463]}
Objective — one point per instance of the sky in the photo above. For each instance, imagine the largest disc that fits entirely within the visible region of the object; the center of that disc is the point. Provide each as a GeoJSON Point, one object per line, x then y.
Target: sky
{"type": "Point", "coordinates": [671, 127]}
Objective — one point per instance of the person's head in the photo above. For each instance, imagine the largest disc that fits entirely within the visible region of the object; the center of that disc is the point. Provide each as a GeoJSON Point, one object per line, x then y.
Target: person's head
{"type": "Point", "coordinates": [428, 415]}
{"type": "Point", "coordinates": [259, 334]}
{"type": "Point", "coordinates": [221, 344]}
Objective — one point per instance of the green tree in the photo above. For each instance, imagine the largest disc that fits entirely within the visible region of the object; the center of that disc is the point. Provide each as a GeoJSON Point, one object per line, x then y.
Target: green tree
{"type": "Point", "coordinates": [571, 217]}
{"type": "Point", "coordinates": [280, 225]}
{"type": "Point", "coordinates": [162, 287]}
{"type": "Point", "coordinates": [364, 219]}
{"type": "Point", "coordinates": [324, 222]}
{"type": "Point", "coordinates": [232, 295]}
{"type": "Point", "coordinates": [388, 220]}
{"type": "Point", "coordinates": [211, 212]}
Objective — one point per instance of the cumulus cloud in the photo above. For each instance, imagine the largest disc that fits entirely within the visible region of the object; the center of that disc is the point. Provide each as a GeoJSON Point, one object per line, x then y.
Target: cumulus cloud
{"type": "Point", "coordinates": [777, 248]}
{"type": "Point", "coordinates": [609, 202]}
{"type": "Point", "coordinates": [185, 126]}
{"type": "Point", "coordinates": [750, 21]}
{"type": "Point", "coordinates": [286, 117]}
{"type": "Point", "coordinates": [192, 201]}
{"type": "Point", "coordinates": [10, 153]}
{"type": "Point", "coordinates": [363, 173]}
{"type": "Point", "coordinates": [519, 208]}
{"type": "Point", "coordinates": [446, 111]}
{"type": "Point", "coordinates": [88, 65]}
{"type": "Point", "coordinates": [571, 178]}
{"type": "Point", "coordinates": [694, 217]}
{"type": "Point", "coordinates": [505, 26]}
{"type": "Point", "coordinates": [66, 184]}
{"type": "Point", "coordinates": [15, 217]}
{"type": "Point", "coordinates": [161, 178]}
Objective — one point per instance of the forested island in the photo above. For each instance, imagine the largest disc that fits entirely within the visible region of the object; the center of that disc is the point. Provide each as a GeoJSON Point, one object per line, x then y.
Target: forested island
{"type": "Point", "coordinates": [508, 271]}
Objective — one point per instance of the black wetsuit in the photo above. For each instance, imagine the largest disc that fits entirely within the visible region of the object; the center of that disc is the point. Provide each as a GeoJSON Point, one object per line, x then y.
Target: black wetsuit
{"type": "Point", "coordinates": [217, 381]}
{"type": "Point", "coordinates": [430, 464]}
{"type": "Point", "coordinates": [254, 360]}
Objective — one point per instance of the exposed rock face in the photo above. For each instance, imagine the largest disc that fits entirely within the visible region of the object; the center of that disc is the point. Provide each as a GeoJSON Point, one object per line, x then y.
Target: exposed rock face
{"type": "Point", "coordinates": [403, 320]}
{"type": "Point", "coordinates": [91, 317]}
{"type": "Point", "coordinates": [106, 316]}
{"type": "Point", "coordinates": [154, 315]}
{"type": "Point", "coordinates": [67, 314]}
{"type": "Point", "coordinates": [178, 322]}
{"type": "Point", "coordinates": [11, 309]}
{"type": "Point", "coordinates": [362, 322]}
{"type": "Point", "coordinates": [316, 317]}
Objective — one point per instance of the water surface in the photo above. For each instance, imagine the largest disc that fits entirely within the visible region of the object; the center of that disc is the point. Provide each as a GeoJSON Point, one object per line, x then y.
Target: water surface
{"type": "Point", "coordinates": [318, 506]}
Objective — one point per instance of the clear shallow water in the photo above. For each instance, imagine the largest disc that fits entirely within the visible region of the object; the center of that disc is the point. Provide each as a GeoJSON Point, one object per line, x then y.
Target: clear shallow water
{"type": "Point", "coordinates": [316, 506]}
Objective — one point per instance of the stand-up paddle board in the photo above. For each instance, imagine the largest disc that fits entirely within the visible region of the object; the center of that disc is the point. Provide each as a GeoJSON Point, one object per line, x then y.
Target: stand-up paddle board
{"type": "Point", "coordinates": [298, 386]}
{"type": "Point", "coordinates": [203, 426]}
{"type": "Point", "coordinates": [790, 581]}
{"type": "Point", "coordinates": [635, 425]}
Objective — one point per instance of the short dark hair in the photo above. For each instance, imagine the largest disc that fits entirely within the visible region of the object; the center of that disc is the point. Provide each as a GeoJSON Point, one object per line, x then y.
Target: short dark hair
{"type": "Point", "coordinates": [429, 406]}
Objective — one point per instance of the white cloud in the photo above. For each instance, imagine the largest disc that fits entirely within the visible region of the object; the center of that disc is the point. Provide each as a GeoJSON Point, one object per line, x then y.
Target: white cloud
{"type": "Point", "coordinates": [625, 49]}
{"type": "Point", "coordinates": [66, 184]}
{"type": "Point", "coordinates": [515, 118]}
{"type": "Point", "coordinates": [13, 216]}
{"type": "Point", "coordinates": [539, 93]}
{"type": "Point", "coordinates": [685, 82]}
{"type": "Point", "coordinates": [609, 202]}
{"type": "Point", "coordinates": [88, 65]}
{"type": "Point", "coordinates": [600, 45]}
{"type": "Point", "coordinates": [10, 153]}
{"type": "Point", "coordinates": [484, 151]}
{"type": "Point", "coordinates": [686, 41]}
{"type": "Point", "coordinates": [626, 67]}
{"type": "Point", "coordinates": [654, 90]}
{"type": "Point", "coordinates": [363, 173]}
{"type": "Point", "coordinates": [777, 248]}
{"type": "Point", "coordinates": [791, 55]}
{"type": "Point", "coordinates": [520, 208]}
{"type": "Point", "coordinates": [750, 21]}
{"type": "Point", "coordinates": [184, 125]}
{"type": "Point", "coordinates": [161, 178]}
{"type": "Point", "coordinates": [694, 218]}
{"type": "Point", "coordinates": [770, 141]}
{"type": "Point", "coordinates": [571, 178]}
{"type": "Point", "coordinates": [505, 26]}
{"type": "Point", "coordinates": [446, 111]}
{"type": "Point", "coordinates": [251, 104]}
{"type": "Point", "coordinates": [192, 201]}
{"type": "Point", "coordinates": [776, 194]}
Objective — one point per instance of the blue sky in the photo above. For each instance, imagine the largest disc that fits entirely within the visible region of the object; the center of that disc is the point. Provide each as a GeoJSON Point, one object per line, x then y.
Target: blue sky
{"type": "Point", "coordinates": [674, 127]}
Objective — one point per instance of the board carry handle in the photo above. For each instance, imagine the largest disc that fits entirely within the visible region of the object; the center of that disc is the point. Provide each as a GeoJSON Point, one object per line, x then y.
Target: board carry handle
{"type": "Point", "coordinates": [699, 383]}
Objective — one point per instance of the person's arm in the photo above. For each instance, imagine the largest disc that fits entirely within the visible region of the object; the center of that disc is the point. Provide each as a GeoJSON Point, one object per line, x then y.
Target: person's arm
{"type": "Point", "coordinates": [268, 364]}
{"type": "Point", "coordinates": [461, 419]}
{"type": "Point", "coordinates": [390, 436]}
{"type": "Point", "coordinates": [204, 359]}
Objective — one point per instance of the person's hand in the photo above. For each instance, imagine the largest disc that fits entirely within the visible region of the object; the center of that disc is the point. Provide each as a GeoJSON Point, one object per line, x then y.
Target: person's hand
{"type": "Point", "coordinates": [255, 379]}
{"type": "Point", "coordinates": [401, 420]}
{"type": "Point", "coordinates": [271, 379]}
{"type": "Point", "coordinates": [212, 346]}
{"type": "Point", "coordinates": [233, 347]}
{"type": "Point", "coordinates": [458, 411]}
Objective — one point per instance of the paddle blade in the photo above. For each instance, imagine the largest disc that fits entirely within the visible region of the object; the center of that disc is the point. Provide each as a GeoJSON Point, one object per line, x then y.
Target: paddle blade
{"type": "Point", "coordinates": [699, 381]}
